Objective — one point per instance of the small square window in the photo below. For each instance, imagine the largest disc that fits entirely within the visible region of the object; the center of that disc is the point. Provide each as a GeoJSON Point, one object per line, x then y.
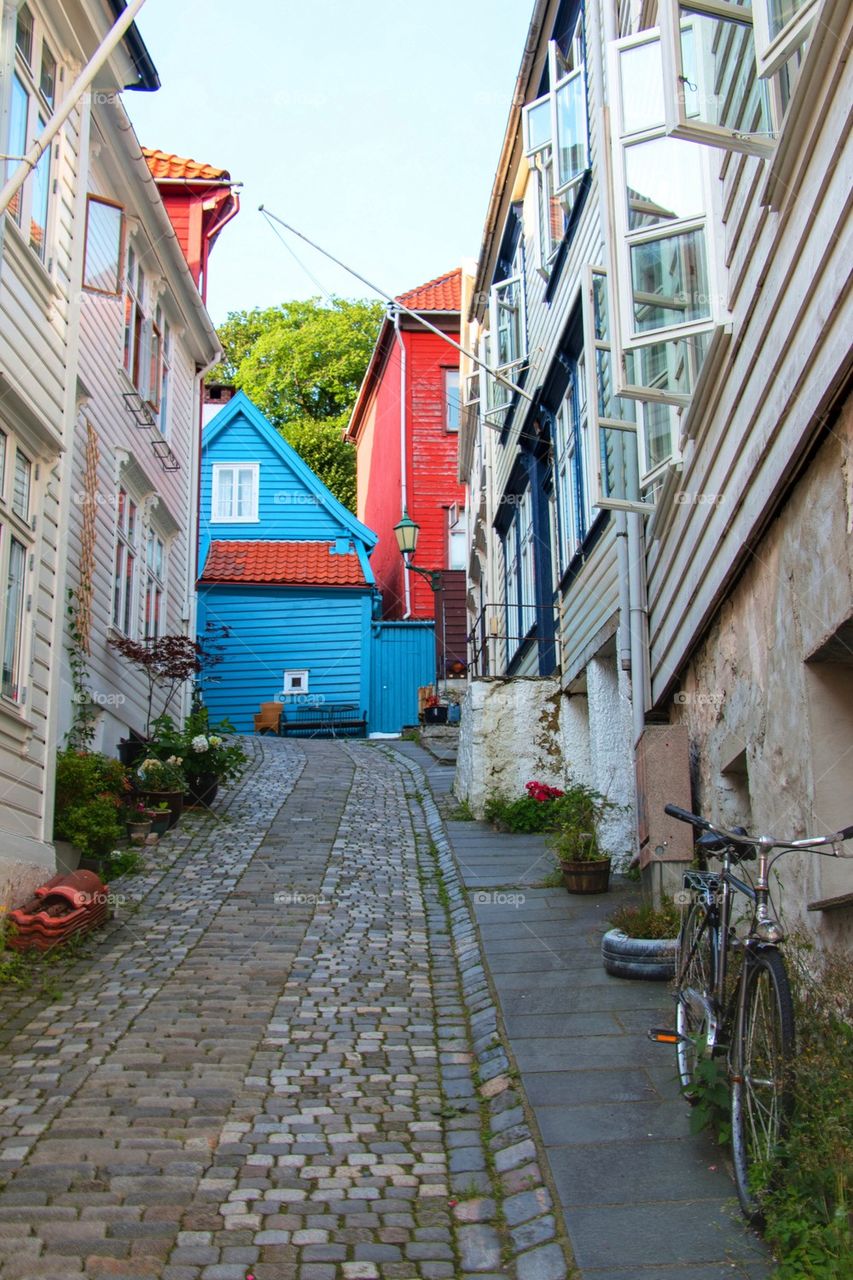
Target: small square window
{"type": "Point", "coordinates": [296, 681]}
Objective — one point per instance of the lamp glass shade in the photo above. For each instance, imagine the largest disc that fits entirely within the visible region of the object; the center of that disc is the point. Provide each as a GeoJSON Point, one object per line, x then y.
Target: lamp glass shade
{"type": "Point", "coordinates": [406, 533]}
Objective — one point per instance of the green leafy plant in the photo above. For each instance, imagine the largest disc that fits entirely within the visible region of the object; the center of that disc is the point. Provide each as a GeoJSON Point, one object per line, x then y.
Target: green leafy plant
{"type": "Point", "coordinates": [161, 775]}
{"type": "Point", "coordinates": [202, 748]}
{"type": "Point", "coordinates": [710, 1088]}
{"type": "Point", "coordinates": [84, 712]}
{"type": "Point", "coordinates": [90, 791]}
{"type": "Point", "coordinates": [122, 862]}
{"type": "Point", "coordinates": [648, 921]}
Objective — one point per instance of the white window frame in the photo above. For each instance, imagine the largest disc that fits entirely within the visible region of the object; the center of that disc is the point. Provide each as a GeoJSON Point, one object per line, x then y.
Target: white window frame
{"type": "Point", "coordinates": [773, 51]}
{"type": "Point", "coordinates": [16, 526]}
{"type": "Point", "coordinates": [39, 109]}
{"type": "Point", "coordinates": [559, 83]}
{"type": "Point", "coordinates": [629, 434]}
{"type": "Point", "coordinates": [293, 674]}
{"type": "Point", "coordinates": [124, 583]}
{"type": "Point", "coordinates": [457, 533]}
{"type": "Point", "coordinates": [448, 373]}
{"type": "Point", "coordinates": [155, 582]}
{"type": "Point", "coordinates": [21, 456]}
{"type": "Point", "coordinates": [218, 471]}
{"type": "Point", "coordinates": [135, 340]}
{"type": "Point", "coordinates": [547, 243]}
{"type": "Point", "coordinates": [116, 291]}
{"type": "Point", "coordinates": [675, 16]}
{"type": "Point", "coordinates": [495, 396]}
{"type": "Point", "coordinates": [165, 404]}
{"type": "Point", "coordinates": [572, 462]}
{"type": "Point", "coordinates": [526, 563]}
{"type": "Point", "coordinates": [515, 282]}
{"type": "Point", "coordinates": [622, 239]}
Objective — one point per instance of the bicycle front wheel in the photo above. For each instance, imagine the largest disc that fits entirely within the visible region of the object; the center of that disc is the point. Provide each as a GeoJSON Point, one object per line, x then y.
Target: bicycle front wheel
{"type": "Point", "coordinates": [762, 1056]}
{"type": "Point", "coordinates": [694, 977]}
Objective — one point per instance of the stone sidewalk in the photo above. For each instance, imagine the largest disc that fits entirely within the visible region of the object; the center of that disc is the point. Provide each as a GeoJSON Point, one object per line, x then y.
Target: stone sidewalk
{"type": "Point", "coordinates": [642, 1198]}
{"type": "Point", "coordinates": [279, 1060]}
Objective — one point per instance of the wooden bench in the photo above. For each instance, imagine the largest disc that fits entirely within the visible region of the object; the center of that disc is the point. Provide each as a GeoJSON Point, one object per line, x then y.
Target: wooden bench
{"type": "Point", "coordinates": [324, 720]}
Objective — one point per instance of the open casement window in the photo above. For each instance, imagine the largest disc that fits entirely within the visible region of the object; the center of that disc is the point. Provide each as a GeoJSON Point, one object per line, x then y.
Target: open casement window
{"type": "Point", "coordinates": [507, 327]}
{"type": "Point", "coordinates": [103, 256]}
{"type": "Point", "coordinates": [495, 396]}
{"type": "Point", "coordinates": [663, 260]}
{"type": "Point", "coordinates": [631, 443]}
{"type": "Point", "coordinates": [568, 111]}
{"type": "Point", "coordinates": [32, 101]}
{"type": "Point", "coordinates": [712, 90]}
{"type": "Point", "coordinates": [781, 28]}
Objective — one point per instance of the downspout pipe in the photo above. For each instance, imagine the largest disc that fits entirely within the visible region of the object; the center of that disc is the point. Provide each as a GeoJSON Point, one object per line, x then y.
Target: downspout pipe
{"type": "Point", "coordinates": [404, 486]}
{"type": "Point", "coordinates": [83, 82]}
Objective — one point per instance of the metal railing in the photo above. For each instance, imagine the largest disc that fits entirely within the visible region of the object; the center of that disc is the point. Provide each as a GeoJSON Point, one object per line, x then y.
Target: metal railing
{"type": "Point", "coordinates": [493, 644]}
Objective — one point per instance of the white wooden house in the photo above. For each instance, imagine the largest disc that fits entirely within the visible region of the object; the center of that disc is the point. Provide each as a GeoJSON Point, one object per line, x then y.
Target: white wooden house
{"type": "Point", "coordinates": [42, 49]}
{"type": "Point", "coordinates": [661, 550]}
{"type": "Point", "coordinates": [145, 342]}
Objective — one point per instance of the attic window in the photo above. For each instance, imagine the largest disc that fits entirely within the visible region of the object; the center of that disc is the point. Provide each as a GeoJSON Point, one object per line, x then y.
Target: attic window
{"type": "Point", "coordinates": [235, 492]}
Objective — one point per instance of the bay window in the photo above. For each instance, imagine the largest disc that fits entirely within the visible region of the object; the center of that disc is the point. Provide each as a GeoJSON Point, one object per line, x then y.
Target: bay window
{"type": "Point", "coordinates": [235, 492]}
{"type": "Point", "coordinates": [32, 99]}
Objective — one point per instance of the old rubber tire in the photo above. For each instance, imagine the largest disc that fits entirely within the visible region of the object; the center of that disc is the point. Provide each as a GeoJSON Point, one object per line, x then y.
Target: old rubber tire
{"type": "Point", "coordinates": [649, 958]}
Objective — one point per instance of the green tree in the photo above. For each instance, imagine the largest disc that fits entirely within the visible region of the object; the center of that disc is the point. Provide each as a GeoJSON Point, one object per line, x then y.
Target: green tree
{"type": "Point", "coordinates": [302, 364]}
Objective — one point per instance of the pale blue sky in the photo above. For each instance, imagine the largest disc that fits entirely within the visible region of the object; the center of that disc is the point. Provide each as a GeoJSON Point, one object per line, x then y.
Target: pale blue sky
{"type": "Point", "coordinates": [373, 126]}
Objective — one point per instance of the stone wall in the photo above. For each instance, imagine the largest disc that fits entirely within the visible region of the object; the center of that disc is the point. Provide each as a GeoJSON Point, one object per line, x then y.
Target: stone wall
{"type": "Point", "coordinates": [768, 697]}
{"type": "Point", "coordinates": [516, 730]}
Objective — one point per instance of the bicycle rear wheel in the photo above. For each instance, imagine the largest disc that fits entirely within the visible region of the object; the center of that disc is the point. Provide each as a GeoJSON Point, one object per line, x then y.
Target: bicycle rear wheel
{"type": "Point", "coordinates": [762, 1055]}
{"type": "Point", "coordinates": [694, 977]}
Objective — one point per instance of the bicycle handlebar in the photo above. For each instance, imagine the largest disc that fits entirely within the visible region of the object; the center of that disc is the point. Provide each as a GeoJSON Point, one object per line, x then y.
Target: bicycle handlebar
{"type": "Point", "coordinates": [811, 842]}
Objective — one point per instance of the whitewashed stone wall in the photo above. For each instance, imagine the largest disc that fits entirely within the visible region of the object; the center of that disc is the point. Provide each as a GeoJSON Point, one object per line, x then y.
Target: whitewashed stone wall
{"type": "Point", "coordinates": [516, 730]}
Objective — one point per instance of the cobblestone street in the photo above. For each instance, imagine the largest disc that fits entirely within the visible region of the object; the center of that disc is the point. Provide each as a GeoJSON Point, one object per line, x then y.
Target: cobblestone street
{"type": "Point", "coordinates": [280, 1059]}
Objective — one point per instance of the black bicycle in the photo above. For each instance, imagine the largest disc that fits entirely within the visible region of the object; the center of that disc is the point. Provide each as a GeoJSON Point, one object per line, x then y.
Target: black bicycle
{"type": "Point", "coordinates": [732, 992]}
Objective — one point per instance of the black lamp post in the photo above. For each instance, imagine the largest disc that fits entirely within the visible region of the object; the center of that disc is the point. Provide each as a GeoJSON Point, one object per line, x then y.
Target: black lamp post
{"type": "Point", "coordinates": [406, 533]}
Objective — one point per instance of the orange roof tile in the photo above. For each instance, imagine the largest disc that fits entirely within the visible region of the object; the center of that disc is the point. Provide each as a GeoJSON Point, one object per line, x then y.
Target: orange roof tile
{"type": "Point", "coordinates": [164, 165]}
{"type": "Point", "coordinates": [444, 293]}
{"type": "Point", "coordinates": [284, 563]}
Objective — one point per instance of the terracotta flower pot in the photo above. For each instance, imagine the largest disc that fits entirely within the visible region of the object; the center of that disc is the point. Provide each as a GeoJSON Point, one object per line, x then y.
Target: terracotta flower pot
{"type": "Point", "coordinates": [174, 799]}
{"type": "Point", "coordinates": [587, 877]}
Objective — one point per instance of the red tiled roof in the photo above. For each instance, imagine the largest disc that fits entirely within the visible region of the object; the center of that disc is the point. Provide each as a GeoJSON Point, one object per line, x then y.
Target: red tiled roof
{"type": "Point", "coordinates": [444, 293]}
{"type": "Point", "coordinates": [284, 563]}
{"type": "Point", "coordinates": [164, 165]}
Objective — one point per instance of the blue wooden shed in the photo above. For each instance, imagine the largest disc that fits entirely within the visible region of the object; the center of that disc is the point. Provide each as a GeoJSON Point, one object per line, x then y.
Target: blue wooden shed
{"type": "Point", "coordinates": [284, 568]}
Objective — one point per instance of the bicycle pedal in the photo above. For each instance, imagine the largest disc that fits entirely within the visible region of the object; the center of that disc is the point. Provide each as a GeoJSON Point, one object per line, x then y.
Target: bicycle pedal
{"type": "Point", "coordinates": [663, 1035]}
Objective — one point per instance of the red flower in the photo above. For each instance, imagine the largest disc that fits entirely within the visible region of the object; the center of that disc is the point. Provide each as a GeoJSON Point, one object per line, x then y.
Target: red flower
{"type": "Point", "coordinates": [542, 792]}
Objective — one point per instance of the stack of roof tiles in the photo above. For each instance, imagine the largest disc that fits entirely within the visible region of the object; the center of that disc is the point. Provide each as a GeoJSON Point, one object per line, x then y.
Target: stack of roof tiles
{"type": "Point", "coordinates": [67, 904]}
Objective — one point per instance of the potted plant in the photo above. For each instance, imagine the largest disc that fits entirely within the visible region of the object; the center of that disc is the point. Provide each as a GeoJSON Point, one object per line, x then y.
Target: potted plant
{"type": "Point", "coordinates": [585, 868]}
{"type": "Point", "coordinates": [90, 791]}
{"type": "Point", "coordinates": [434, 712]}
{"type": "Point", "coordinates": [138, 820]}
{"type": "Point", "coordinates": [642, 942]}
{"type": "Point", "coordinates": [209, 754]}
{"type": "Point", "coordinates": [161, 817]}
{"type": "Point", "coordinates": [166, 662]}
{"type": "Point", "coordinates": [162, 781]}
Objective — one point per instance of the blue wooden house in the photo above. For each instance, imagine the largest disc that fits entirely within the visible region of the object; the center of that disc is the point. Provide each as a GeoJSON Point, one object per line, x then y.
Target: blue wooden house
{"type": "Point", "coordinates": [286, 569]}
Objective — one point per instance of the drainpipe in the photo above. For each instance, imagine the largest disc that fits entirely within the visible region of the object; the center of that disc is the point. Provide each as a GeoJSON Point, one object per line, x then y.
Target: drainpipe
{"type": "Point", "coordinates": [404, 488]}
{"type": "Point", "coordinates": [28, 162]}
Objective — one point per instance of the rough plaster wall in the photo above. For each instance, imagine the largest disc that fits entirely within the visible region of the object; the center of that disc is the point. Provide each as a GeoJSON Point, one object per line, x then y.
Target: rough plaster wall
{"type": "Point", "coordinates": [509, 735]}
{"type": "Point", "coordinates": [521, 729]}
{"type": "Point", "coordinates": [611, 758]}
{"type": "Point", "coordinates": [19, 879]}
{"type": "Point", "coordinates": [747, 686]}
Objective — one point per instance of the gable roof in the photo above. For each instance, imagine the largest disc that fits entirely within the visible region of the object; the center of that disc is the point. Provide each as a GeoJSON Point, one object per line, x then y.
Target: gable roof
{"type": "Point", "coordinates": [242, 406]}
{"type": "Point", "coordinates": [441, 295]}
{"type": "Point", "coordinates": [163, 164]}
{"type": "Point", "coordinates": [284, 564]}
{"type": "Point", "coordinates": [444, 293]}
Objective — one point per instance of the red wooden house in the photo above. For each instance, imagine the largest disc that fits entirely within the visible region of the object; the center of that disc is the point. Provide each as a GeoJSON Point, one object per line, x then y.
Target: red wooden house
{"type": "Point", "coordinates": [200, 199]}
{"type": "Point", "coordinates": [405, 428]}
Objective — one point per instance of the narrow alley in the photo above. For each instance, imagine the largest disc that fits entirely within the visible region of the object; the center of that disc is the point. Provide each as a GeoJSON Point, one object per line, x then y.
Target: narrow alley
{"type": "Point", "coordinates": [282, 1059]}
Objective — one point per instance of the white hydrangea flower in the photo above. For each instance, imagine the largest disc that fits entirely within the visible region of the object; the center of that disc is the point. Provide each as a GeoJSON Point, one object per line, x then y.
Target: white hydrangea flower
{"type": "Point", "coordinates": [199, 742]}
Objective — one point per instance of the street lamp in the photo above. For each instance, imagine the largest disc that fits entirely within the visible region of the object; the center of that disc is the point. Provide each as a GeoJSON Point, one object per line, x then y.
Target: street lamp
{"type": "Point", "coordinates": [406, 533]}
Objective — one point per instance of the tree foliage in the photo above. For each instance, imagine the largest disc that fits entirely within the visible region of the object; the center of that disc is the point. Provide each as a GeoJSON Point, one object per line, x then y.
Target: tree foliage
{"type": "Point", "coordinates": [302, 364]}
